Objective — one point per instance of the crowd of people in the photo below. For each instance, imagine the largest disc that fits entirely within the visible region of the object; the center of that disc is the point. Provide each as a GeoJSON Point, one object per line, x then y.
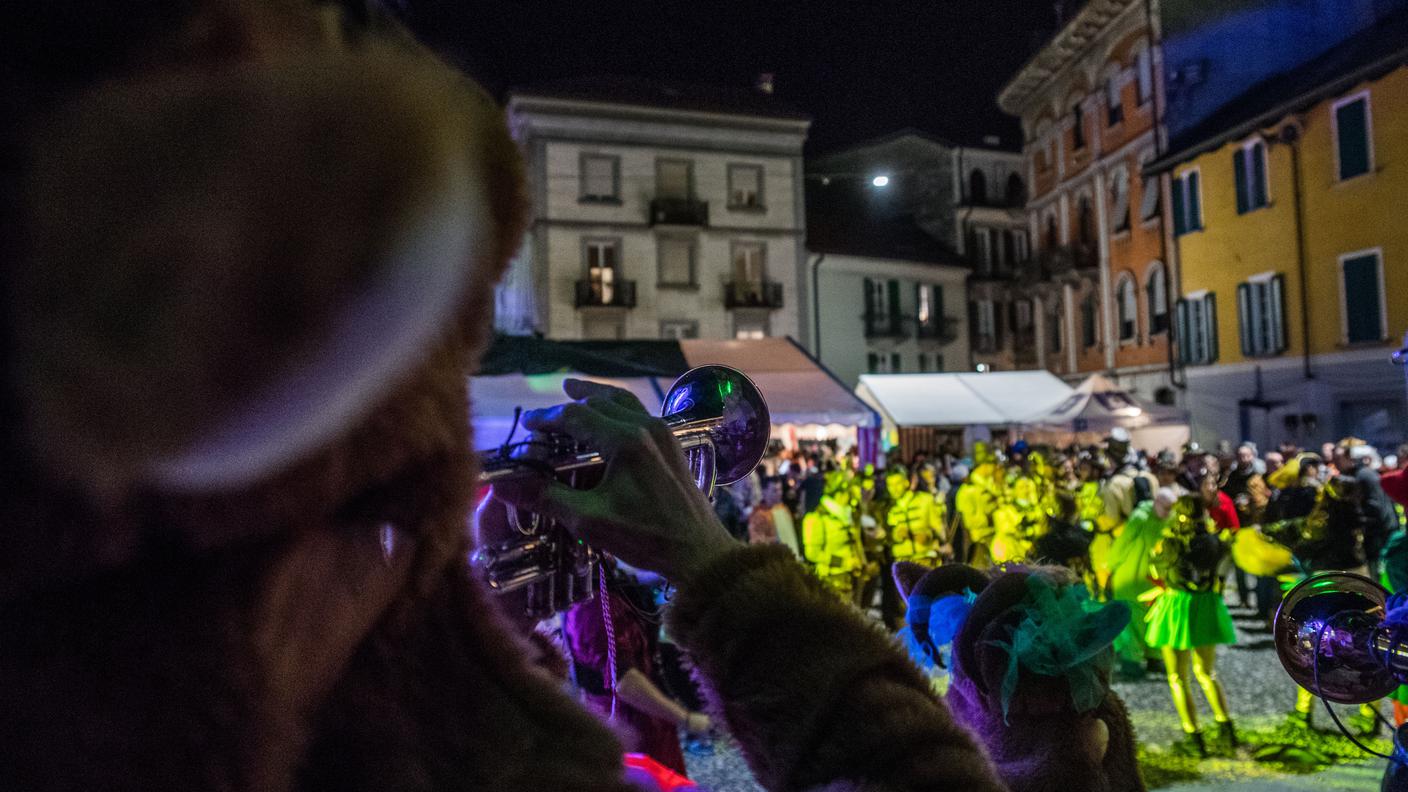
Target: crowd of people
{"type": "Point", "coordinates": [1163, 532]}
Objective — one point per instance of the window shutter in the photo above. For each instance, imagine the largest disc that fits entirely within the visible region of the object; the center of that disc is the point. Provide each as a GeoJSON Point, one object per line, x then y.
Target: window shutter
{"type": "Point", "coordinates": [1149, 200]}
{"type": "Point", "coordinates": [1352, 130]}
{"type": "Point", "coordinates": [1239, 171]}
{"type": "Point", "coordinates": [894, 299]}
{"type": "Point", "coordinates": [1195, 212]}
{"type": "Point", "coordinates": [895, 366]}
{"type": "Point", "coordinates": [1246, 327]}
{"type": "Point", "coordinates": [1179, 225]}
{"type": "Point", "coordinates": [1181, 321]}
{"type": "Point", "coordinates": [1258, 191]}
{"type": "Point", "coordinates": [1277, 303]}
{"type": "Point", "coordinates": [999, 314]}
{"type": "Point", "coordinates": [1363, 321]}
{"type": "Point", "coordinates": [1210, 314]}
{"type": "Point", "coordinates": [973, 323]}
{"type": "Point", "coordinates": [936, 303]}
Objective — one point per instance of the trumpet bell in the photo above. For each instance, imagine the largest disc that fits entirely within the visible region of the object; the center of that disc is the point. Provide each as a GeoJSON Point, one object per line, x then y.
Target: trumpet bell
{"type": "Point", "coordinates": [727, 408]}
{"type": "Point", "coordinates": [1325, 633]}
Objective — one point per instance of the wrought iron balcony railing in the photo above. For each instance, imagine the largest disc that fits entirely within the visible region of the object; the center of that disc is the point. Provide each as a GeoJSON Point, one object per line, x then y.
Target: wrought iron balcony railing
{"type": "Point", "coordinates": [598, 294]}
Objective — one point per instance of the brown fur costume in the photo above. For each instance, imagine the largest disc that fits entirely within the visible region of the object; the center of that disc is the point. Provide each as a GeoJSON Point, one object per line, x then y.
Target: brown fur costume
{"type": "Point", "coordinates": [253, 265]}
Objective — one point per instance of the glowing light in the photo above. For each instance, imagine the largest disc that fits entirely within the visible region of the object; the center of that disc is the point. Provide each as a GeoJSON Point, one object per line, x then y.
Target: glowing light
{"type": "Point", "coordinates": [881, 180]}
{"type": "Point", "coordinates": [982, 368]}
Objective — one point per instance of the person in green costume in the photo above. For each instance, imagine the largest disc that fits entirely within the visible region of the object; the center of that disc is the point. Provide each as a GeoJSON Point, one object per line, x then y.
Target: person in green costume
{"type": "Point", "coordinates": [1127, 572]}
{"type": "Point", "coordinates": [1189, 617]}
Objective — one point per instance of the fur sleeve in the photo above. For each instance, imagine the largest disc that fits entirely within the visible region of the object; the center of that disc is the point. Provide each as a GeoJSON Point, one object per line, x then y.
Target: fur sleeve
{"type": "Point", "coordinates": [815, 696]}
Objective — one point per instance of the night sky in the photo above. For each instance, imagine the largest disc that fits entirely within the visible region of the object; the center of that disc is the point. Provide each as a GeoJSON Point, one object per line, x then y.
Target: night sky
{"type": "Point", "coordinates": [861, 69]}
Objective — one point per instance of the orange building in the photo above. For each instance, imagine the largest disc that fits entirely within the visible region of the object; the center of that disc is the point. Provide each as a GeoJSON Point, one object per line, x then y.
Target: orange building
{"type": "Point", "coordinates": [1098, 289]}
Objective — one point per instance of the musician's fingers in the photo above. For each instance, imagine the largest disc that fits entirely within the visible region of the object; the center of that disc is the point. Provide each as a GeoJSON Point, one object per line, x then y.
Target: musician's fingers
{"type": "Point", "coordinates": [587, 390]}
{"type": "Point", "coordinates": [583, 423]}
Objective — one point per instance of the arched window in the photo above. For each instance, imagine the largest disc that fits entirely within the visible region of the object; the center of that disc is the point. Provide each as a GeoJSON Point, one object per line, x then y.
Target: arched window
{"type": "Point", "coordinates": [1128, 306]}
{"type": "Point", "coordinates": [977, 187]}
{"type": "Point", "coordinates": [1052, 237]}
{"type": "Point", "coordinates": [1156, 294]}
{"type": "Point", "coordinates": [1016, 191]}
{"type": "Point", "coordinates": [1119, 199]}
{"type": "Point", "coordinates": [1085, 226]}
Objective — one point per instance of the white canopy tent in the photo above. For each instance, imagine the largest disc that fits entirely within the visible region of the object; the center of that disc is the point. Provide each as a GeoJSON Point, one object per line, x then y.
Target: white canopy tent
{"type": "Point", "coordinates": [1004, 398]}
{"type": "Point", "coordinates": [1098, 405]}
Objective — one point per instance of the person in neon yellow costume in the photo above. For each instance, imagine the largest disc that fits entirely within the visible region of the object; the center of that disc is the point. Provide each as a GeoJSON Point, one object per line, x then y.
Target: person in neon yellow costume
{"type": "Point", "coordinates": [915, 519]}
{"type": "Point", "coordinates": [831, 537]}
{"type": "Point", "coordinates": [977, 501]}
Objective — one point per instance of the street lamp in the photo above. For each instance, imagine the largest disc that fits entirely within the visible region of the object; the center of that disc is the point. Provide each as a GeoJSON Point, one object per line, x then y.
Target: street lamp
{"type": "Point", "coordinates": [880, 181]}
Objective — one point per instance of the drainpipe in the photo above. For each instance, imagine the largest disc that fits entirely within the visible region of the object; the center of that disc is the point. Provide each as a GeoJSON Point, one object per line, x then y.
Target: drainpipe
{"type": "Point", "coordinates": [1290, 134]}
{"type": "Point", "coordinates": [816, 303]}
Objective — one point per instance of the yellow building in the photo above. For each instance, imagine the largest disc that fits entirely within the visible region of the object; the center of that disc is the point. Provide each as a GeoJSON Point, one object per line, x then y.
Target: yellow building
{"type": "Point", "coordinates": [1292, 242]}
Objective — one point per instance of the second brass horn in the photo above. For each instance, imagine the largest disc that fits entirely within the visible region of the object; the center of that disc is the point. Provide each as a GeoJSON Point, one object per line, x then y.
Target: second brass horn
{"type": "Point", "coordinates": [1331, 638]}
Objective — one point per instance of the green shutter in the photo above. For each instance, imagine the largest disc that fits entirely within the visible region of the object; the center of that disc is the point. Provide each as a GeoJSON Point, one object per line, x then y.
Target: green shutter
{"type": "Point", "coordinates": [1258, 191]}
{"type": "Point", "coordinates": [1278, 313]}
{"type": "Point", "coordinates": [1246, 328]}
{"type": "Point", "coordinates": [1195, 213]}
{"type": "Point", "coordinates": [1363, 316]}
{"type": "Point", "coordinates": [1179, 226]}
{"type": "Point", "coordinates": [1352, 133]}
{"type": "Point", "coordinates": [1180, 311]}
{"type": "Point", "coordinates": [1239, 171]}
{"type": "Point", "coordinates": [1210, 310]}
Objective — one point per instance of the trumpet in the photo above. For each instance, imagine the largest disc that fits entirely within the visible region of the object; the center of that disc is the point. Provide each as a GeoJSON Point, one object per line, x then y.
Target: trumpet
{"type": "Point", "coordinates": [721, 421]}
{"type": "Point", "coordinates": [1331, 638]}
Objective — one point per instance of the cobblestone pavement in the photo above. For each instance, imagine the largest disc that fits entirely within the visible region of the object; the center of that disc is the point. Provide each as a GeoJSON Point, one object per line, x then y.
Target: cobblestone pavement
{"type": "Point", "coordinates": [1260, 694]}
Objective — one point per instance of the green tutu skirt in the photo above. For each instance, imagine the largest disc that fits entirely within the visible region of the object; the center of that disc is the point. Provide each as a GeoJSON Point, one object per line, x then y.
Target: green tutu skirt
{"type": "Point", "coordinates": [1184, 620]}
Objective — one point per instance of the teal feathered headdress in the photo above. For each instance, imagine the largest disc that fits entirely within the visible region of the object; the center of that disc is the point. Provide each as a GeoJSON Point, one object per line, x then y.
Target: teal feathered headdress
{"type": "Point", "coordinates": [1062, 633]}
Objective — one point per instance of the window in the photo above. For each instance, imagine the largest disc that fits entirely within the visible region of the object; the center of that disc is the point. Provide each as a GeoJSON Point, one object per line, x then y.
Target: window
{"type": "Point", "coordinates": [745, 186]}
{"type": "Point", "coordinates": [1016, 191]}
{"type": "Point", "coordinates": [985, 325]}
{"type": "Point", "coordinates": [1149, 198]}
{"type": "Point", "coordinates": [1128, 307]}
{"type": "Point", "coordinates": [676, 261]}
{"type": "Point", "coordinates": [750, 325]}
{"type": "Point", "coordinates": [601, 178]}
{"type": "Point", "coordinates": [1077, 127]}
{"type": "Point", "coordinates": [1354, 148]}
{"type": "Point", "coordinates": [1114, 103]}
{"type": "Point", "coordinates": [1144, 76]}
{"type": "Point", "coordinates": [982, 256]}
{"type": "Point", "coordinates": [883, 363]}
{"type": "Point", "coordinates": [1054, 328]}
{"type": "Point", "coordinates": [1119, 200]}
{"type": "Point", "coordinates": [1022, 319]}
{"type": "Point", "coordinates": [679, 328]}
{"type": "Point", "coordinates": [1363, 297]}
{"type": "Point", "coordinates": [1085, 223]}
{"type": "Point", "coordinates": [603, 258]}
{"type": "Point", "coordinates": [1249, 169]}
{"type": "Point", "coordinates": [1089, 331]}
{"type": "Point", "coordinates": [1187, 203]}
{"type": "Point", "coordinates": [749, 262]}
{"type": "Point", "coordinates": [1261, 316]}
{"type": "Point", "coordinates": [1019, 246]}
{"type": "Point", "coordinates": [1156, 294]}
{"type": "Point", "coordinates": [929, 303]}
{"type": "Point", "coordinates": [923, 362]}
{"type": "Point", "coordinates": [1197, 328]}
{"type": "Point", "coordinates": [674, 179]}
{"type": "Point", "coordinates": [1053, 237]}
{"type": "Point", "coordinates": [977, 187]}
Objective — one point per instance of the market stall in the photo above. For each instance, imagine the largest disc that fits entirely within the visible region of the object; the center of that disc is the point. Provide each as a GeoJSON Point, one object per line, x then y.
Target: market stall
{"type": "Point", "coordinates": [931, 412]}
{"type": "Point", "coordinates": [1098, 405]}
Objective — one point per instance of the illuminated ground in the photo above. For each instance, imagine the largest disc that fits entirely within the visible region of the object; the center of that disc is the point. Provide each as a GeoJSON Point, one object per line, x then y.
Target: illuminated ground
{"type": "Point", "coordinates": [1260, 696]}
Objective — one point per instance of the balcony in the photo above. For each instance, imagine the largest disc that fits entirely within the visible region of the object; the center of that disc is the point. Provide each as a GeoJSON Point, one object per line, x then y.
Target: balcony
{"type": "Point", "coordinates": [679, 212]}
{"type": "Point", "coordinates": [941, 329]}
{"type": "Point", "coordinates": [595, 294]}
{"type": "Point", "coordinates": [1067, 259]}
{"type": "Point", "coordinates": [885, 326]}
{"type": "Point", "coordinates": [752, 294]}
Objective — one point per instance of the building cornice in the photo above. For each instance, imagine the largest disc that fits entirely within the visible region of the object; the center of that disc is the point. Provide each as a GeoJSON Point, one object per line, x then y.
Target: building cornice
{"type": "Point", "coordinates": [522, 103]}
{"type": "Point", "coordinates": [1066, 48]}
